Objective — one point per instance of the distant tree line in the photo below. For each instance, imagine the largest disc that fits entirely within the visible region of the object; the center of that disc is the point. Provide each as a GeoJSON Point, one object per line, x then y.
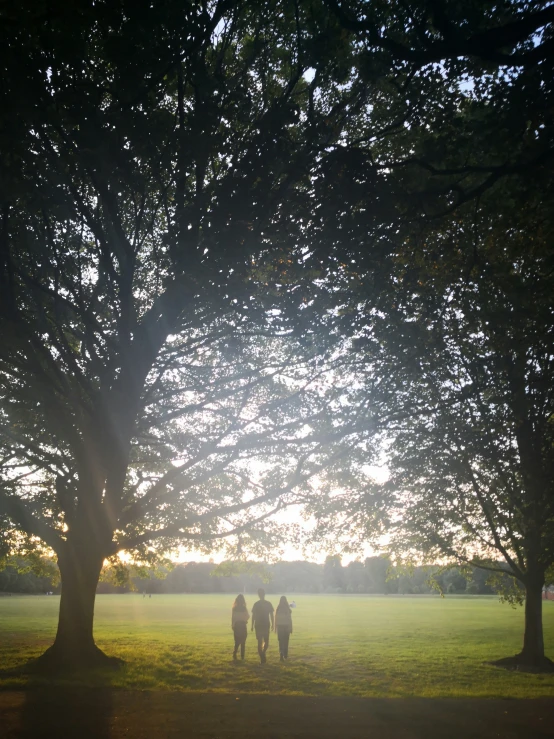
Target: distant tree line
{"type": "Point", "coordinates": [376, 575]}
{"type": "Point", "coordinates": [32, 576]}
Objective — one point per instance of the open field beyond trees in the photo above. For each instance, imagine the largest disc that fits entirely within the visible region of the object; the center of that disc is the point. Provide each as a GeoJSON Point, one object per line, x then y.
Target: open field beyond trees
{"type": "Point", "coordinates": [342, 646]}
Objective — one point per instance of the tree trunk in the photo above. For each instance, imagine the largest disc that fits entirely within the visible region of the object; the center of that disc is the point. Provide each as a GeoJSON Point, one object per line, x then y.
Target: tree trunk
{"type": "Point", "coordinates": [532, 657]}
{"type": "Point", "coordinates": [533, 642]}
{"type": "Point", "coordinates": [74, 645]}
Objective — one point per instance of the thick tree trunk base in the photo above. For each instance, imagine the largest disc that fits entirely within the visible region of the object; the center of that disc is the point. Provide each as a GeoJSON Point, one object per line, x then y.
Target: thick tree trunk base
{"type": "Point", "coordinates": [56, 660]}
{"type": "Point", "coordinates": [524, 663]}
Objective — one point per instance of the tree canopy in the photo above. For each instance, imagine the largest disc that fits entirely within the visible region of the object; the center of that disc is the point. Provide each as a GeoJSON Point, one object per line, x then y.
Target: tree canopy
{"type": "Point", "coordinates": [443, 299]}
{"type": "Point", "coordinates": [202, 205]}
{"type": "Point", "coordinates": [461, 360]}
{"type": "Point", "coordinates": [151, 158]}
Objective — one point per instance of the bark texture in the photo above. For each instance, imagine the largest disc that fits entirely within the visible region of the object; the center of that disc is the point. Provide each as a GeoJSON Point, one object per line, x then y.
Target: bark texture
{"type": "Point", "coordinates": [532, 657]}
{"type": "Point", "coordinates": [74, 646]}
{"type": "Point", "coordinates": [533, 640]}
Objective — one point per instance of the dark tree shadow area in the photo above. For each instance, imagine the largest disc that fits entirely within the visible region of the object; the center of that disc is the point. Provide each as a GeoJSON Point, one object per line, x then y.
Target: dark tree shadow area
{"type": "Point", "coordinates": [87, 713]}
{"type": "Point", "coordinates": [58, 712]}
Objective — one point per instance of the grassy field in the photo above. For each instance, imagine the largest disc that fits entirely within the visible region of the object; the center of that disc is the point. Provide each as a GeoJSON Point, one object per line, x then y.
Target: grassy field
{"type": "Point", "coordinates": [341, 646]}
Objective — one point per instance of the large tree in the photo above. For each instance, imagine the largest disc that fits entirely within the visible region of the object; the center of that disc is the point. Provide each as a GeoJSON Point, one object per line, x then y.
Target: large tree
{"type": "Point", "coordinates": [438, 256]}
{"type": "Point", "coordinates": [153, 155]}
{"type": "Point", "coordinates": [474, 475]}
{"type": "Point", "coordinates": [459, 349]}
{"type": "Point", "coordinates": [162, 164]}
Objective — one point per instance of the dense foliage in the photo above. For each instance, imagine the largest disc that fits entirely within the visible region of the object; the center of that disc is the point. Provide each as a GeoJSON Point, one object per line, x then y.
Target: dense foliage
{"type": "Point", "coordinates": [447, 309]}
{"type": "Point", "coordinates": [236, 246]}
{"type": "Point", "coordinates": [147, 395]}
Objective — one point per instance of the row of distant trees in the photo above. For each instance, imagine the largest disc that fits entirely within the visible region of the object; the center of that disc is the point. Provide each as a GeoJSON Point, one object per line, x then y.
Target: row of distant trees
{"type": "Point", "coordinates": [376, 575]}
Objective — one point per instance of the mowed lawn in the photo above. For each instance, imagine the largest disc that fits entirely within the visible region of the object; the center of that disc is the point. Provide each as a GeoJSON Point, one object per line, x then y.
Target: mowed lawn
{"type": "Point", "coordinates": [341, 646]}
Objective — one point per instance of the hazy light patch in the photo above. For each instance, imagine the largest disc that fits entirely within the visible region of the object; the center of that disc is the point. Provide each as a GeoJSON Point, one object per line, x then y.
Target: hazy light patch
{"type": "Point", "coordinates": [380, 473]}
{"type": "Point", "coordinates": [293, 515]}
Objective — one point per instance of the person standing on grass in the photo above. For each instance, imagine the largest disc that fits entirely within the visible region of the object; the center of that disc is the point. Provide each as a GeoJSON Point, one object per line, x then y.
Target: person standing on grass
{"type": "Point", "coordinates": [262, 614]}
{"type": "Point", "coordinates": [283, 627]}
{"type": "Point", "coordinates": [239, 619]}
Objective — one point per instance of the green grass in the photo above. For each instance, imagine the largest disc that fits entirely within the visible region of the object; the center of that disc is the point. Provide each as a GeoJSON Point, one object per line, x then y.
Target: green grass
{"type": "Point", "coordinates": [342, 645]}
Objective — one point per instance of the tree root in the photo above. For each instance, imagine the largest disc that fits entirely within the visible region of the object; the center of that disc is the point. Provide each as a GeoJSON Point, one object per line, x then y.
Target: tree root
{"type": "Point", "coordinates": [57, 659]}
{"type": "Point", "coordinates": [524, 663]}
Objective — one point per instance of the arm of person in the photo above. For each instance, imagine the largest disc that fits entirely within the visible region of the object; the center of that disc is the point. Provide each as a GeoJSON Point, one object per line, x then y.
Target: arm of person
{"type": "Point", "coordinates": [253, 618]}
{"type": "Point", "coordinates": [272, 620]}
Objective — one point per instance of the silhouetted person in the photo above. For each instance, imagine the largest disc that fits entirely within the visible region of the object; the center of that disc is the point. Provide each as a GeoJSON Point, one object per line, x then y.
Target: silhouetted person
{"type": "Point", "coordinates": [239, 619]}
{"type": "Point", "coordinates": [283, 627]}
{"type": "Point", "coordinates": [262, 614]}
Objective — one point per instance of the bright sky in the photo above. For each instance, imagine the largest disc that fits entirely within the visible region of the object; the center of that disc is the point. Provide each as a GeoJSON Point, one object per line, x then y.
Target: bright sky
{"type": "Point", "coordinates": [291, 553]}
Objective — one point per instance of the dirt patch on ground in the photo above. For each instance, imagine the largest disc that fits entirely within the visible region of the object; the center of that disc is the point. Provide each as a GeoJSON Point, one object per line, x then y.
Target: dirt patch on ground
{"type": "Point", "coordinates": [109, 714]}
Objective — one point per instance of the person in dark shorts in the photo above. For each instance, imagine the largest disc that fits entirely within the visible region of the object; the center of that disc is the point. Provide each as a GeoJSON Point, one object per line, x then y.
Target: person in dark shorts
{"type": "Point", "coordinates": [262, 615]}
{"type": "Point", "coordinates": [239, 620]}
{"type": "Point", "coordinates": [283, 627]}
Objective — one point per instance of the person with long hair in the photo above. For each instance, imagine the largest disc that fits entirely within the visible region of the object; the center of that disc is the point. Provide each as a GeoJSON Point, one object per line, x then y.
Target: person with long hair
{"type": "Point", "coordinates": [283, 627]}
{"type": "Point", "coordinates": [239, 619]}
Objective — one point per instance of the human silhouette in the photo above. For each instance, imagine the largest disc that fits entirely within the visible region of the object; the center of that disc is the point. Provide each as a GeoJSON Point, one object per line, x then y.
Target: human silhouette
{"type": "Point", "coordinates": [262, 614]}
{"type": "Point", "coordinates": [283, 627]}
{"type": "Point", "coordinates": [239, 619]}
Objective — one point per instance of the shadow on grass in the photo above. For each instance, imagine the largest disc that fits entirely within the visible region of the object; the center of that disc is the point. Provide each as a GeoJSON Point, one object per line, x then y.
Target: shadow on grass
{"type": "Point", "coordinates": [35, 705]}
{"type": "Point", "coordinates": [50, 712]}
{"type": "Point", "coordinates": [51, 704]}
{"type": "Point", "coordinates": [518, 663]}
{"type": "Point", "coordinates": [106, 714]}
{"type": "Point", "coordinates": [34, 675]}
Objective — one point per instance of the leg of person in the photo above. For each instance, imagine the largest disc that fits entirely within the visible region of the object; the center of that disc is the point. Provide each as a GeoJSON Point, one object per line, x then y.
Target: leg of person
{"type": "Point", "coordinates": [286, 637]}
{"type": "Point", "coordinates": [266, 641]}
{"type": "Point", "coordinates": [260, 638]}
{"type": "Point", "coordinates": [242, 639]}
{"type": "Point", "coordinates": [237, 642]}
{"type": "Point", "coordinates": [280, 640]}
